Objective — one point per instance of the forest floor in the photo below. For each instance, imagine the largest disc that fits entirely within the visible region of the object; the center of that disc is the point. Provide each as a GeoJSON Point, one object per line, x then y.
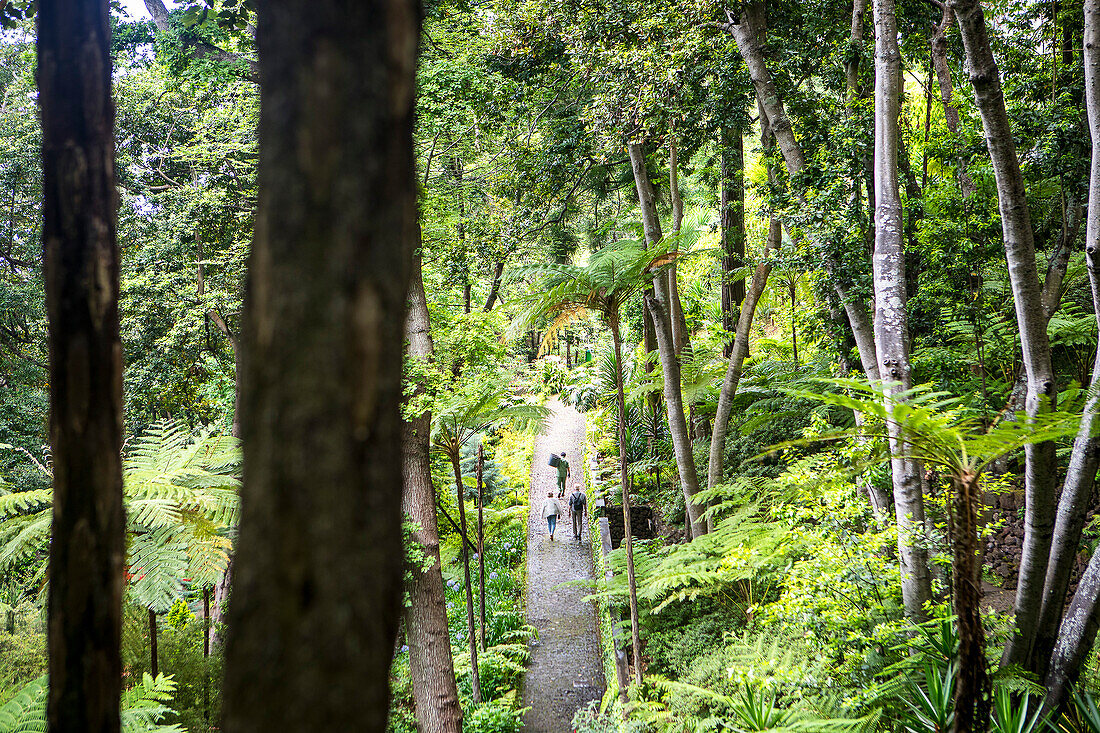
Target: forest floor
{"type": "Point", "coordinates": [565, 671]}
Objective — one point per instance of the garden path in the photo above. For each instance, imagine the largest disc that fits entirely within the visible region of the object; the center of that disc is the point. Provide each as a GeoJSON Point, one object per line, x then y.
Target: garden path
{"type": "Point", "coordinates": [565, 671]}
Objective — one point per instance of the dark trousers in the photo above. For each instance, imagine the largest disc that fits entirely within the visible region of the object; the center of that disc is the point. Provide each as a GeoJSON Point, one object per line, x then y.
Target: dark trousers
{"type": "Point", "coordinates": [578, 523]}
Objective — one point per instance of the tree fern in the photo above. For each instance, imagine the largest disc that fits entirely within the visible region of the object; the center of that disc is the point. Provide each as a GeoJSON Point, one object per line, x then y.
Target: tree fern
{"type": "Point", "coordinates": [181, 499]}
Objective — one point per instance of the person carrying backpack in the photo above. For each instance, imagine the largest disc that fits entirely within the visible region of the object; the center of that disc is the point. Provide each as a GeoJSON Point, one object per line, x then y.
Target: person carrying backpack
{"type": "Point", "coordinates": [578, 506]}
{"type": "Point", "coordinates": [563, 474]}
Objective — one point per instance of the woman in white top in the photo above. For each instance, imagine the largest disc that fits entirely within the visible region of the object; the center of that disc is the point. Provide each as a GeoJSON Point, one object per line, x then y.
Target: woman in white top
{"type": "Point", "coordinates": [550, 511]}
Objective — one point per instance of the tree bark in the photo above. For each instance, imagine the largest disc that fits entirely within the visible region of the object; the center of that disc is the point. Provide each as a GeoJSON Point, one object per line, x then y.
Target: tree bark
{"type": "Point", "coordinates": [631, 581]}
{"type": "Point", "coordinates": [1078, 628]}
{"type": "Point", "coordinates": [81, 281]}
{"type": "Point", "coordinates": [738, 354]}
{"type": "Point", "coordinates": [855, 50]}
{"type": "Point", "coordinates": [658, 306]}
{"type": "Point", "coordinates": [481, 539]}
{"type": "Point", "coordinates": [307, 650]}
{"type": "Point", "coordinates": [471, 629]}
{"type": "Point", "coordinates": [431, 665]}
{"type": "Point", "coordinates": [972, 688]}
{"type": "Point", "coordinates": [1040, 469]}
{"type": "Point", "coordinates": [947, 90]}
{"type": "Point", "coordinates": [154, 666]}
{"type": "Point", "coordinates": [733, 227]}
{"type": "Point", "coordinates": [680, 335]}
{"type": "Point", "coordinates": [891, 322]}
{"type": "Point", "coordinates": [494, 288]}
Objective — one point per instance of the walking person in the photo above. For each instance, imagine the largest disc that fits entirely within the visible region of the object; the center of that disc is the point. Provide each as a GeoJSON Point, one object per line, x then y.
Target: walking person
{"type": "Point", "coordinates": [563, 474]}
{"type": "Point", "coordinates": [578, 507]}
{"type": "Point", "coordinates": [550, 511]}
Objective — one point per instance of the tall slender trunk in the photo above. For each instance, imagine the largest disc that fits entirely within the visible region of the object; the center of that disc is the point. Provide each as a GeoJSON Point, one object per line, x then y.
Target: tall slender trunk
{"type": "Point", "coordinates": [481, 539]}
{"type": "Point", "coordinates": [1040, 469]}
{"type": "Point", "coordinates": [972, 687]}
{"type": "Point", "coordinates": [658, 306]}
{"type": "Point", "coordinates": [463, 255]}
{"type": "Point", "coordinates": [680, 334]}
{"type": "Point", "coordinates": [471, 629]}
{"type": "Point", "coordinates": [947, 88]}
{"type": "Point", "coordinates": [891, 323]}
{"type": "Point", "coordinates": [431, 665]}
{"type": "Point", "coordinates": [206, 655]}
{"type": "Point", "coordinates": [1078, 627]}
{"type": "Point", "coordinates": [792, 286]}
{"type": "Point", "coordinates": [85, 385]}
{"type": "Point", "coordinates": [154, 666]}
{"type": "Point", "coordinates": [308, 651]}
{"type": "Point", "coordinates": [631, 581]}
{"type": "Point", "coordinates": [738, 354]}
{"type": "Point", "coordinates": [733, 227]}
{"type": "Point", "coordinates": [855, 50]}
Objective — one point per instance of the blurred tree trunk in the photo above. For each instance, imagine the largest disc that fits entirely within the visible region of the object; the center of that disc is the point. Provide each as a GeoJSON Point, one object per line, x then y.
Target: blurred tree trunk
{"type": "Point", "coordinates": [81, 279]}
{"type": "Point", "coordinates": [431, 665]}
{"type": "Point", "coordinates": [319, 567]}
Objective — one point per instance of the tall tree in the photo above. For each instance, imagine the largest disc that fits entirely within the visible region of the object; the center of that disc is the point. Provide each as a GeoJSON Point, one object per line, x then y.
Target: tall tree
{"type": "Point", "coordinates": [1040, 470]}
{"type": "Point", "coordinates": [1078, 627]}
{"type": "Point", "coordinates": [431, 665]}
{"type": "Point", "coordinates": [658, 303]}
{"type": "Point", "coordinates": [81, 274]}
{"type": "Point", "coordinates": [732, 213]}
{"type": "Point", "coordinates": [891, 321]}
{"type": "Point", "coordinates": [310, 639]}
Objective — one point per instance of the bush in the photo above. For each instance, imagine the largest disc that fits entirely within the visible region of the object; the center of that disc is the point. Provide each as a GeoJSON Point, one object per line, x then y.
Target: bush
{"type": "Point", "coordinates": [589, 719]}
{"type": "Point", "coordinates": [23, 658]}
{"type": "Point", "coordinates": [495, 716]}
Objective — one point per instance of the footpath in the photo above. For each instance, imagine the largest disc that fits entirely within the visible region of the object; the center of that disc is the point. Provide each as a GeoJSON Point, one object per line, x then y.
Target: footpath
{"type": "Point", "coordinates": [565, 671]}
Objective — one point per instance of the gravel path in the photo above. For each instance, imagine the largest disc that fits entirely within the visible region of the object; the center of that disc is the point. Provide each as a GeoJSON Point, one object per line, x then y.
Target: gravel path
{"type": "Point", "coordinates": [565, 670]}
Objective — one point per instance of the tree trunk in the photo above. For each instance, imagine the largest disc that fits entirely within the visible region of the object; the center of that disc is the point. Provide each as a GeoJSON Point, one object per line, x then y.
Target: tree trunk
{"type": "Point", "coordinates": [307, 650]}
{"type": "Point", "coordinates": [658, 306]}
{"type": "Point", "coordinates": [1078, 628]}
{"type": "Point", "coordinates": [632, 583]}
{"type": "Point", "coordinates": [972, 687]}
{"type": "Point", "coordinates": [947, 88]}
{"type": "Point", "coordinates": [740, 351]}
{"type": "Point", "coordinates": [431, 665]}
{"type": "Point", "coordinates": [81, 281]}
{"type": "Point", "coordinates": [855, 50]}
{"type": "Point", "coordinates": [154, 667]}
{"type": "Point", "coordinates": [463, 256]}
{"type": "Point", "coordinates": [733, 227]}
{"type": "Point", "coordinates": [792, 286]}
{"type": "Point", "coordinates": [471, 629]}
{"type": "Point", "coordinates": [680, 335]}
{"type": "Point", "coordinates": [1040, 468]}
{"type": "Point", "coordinates": [494, 288]}
{"type": "Point", "coordinates": [481, 538]}
{"type": "Point", "coordinates": [206, 655]}
{"type": "Point", "coordinates": [891, 323]}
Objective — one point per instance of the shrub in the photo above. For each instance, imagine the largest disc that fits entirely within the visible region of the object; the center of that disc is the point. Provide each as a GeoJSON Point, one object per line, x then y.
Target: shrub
{"type": "Point", "coordinates": [495, 716]}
